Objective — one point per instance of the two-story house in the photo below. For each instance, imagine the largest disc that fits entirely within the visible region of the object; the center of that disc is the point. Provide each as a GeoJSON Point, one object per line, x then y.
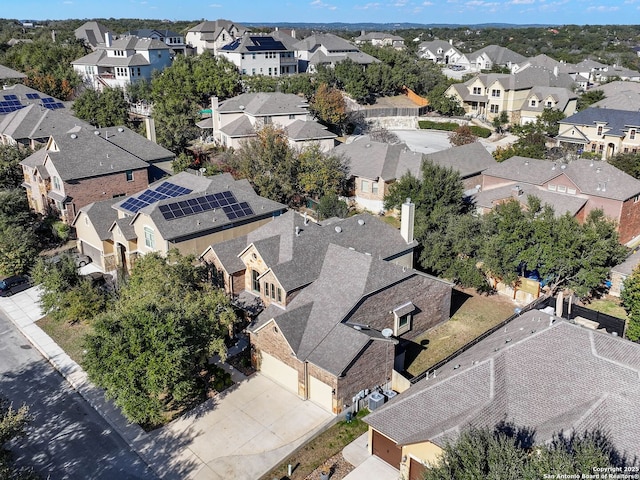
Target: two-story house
{"type": "Point", "coordinates": [187, 212]}
{"type": "Point", "coordinates": [328, 49]}
{"type": "Point", "coordinates": [213, 35]}
{"type": "Point", "coordinates": [175, 41]}
{"type": "Point", "coordinates": [576, 188]}
{"type": "Point", "coordinates": [341, 301]}
{"type": "Point", "coordinates": [492, 56]}
{"type": "Point", "coordinates": [117, 63]}
{"type": "Point", "coordinates": [261, 54]}
{"type": "Point", "coordinates": [488, 95]}
{"type": "Point", "coordinates": [92, 34]}
{"type": "Point", "coordinates": [439, 51]}
{"type": "Point", "coordinates": [238, 118]}
{"type": "Point", "coordinates": [602, 130]}
{"type": "Point", "coordinates": [380, 39]}
{"type": "Point", "coordinates": [87, 165]}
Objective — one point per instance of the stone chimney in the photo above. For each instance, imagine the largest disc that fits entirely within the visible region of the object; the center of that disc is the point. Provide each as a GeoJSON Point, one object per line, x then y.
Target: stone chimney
{"type": "Point", "coordinates": [407, 217]}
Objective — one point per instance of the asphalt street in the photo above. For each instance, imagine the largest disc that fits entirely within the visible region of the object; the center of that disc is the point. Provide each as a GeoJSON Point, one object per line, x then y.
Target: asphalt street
{"type": "Point", "coordinates": [67, 438]}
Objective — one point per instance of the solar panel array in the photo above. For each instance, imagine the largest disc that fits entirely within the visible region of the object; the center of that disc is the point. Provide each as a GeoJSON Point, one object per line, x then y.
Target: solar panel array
{"type": "Point", "coordinates": [11, 103]}
{"type": "Point", "coordinates": [51, 104]}
{"type": "Point", "coordinates": [32, 96]}
{"type": "Point", "coordinates": [161, 192]}
{"type": "Point", "coordinates": [225, 200]}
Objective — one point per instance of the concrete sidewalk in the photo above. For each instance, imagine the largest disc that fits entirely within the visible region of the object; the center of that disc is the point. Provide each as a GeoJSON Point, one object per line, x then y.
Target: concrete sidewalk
{"type": "Point", "coordinates": [241, 433]}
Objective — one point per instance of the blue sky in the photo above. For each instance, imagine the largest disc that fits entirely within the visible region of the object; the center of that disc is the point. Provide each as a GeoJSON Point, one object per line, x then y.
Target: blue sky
{"type": "Point", "coordinates": [579, 12]}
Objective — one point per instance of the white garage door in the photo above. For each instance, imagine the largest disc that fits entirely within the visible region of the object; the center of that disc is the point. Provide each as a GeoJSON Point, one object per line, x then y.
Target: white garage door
{"type": "Point", "coordinates": [279, 372]}
{"type": "Point", "coordinates": [320, 393]}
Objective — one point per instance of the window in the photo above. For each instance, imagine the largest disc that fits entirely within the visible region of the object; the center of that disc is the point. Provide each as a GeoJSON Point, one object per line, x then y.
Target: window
{"type": "Point", "coordinates": [632, 134]}
{"type": "Point", "coordinates": [279, 292]}
{"type": "Point", "coordinates": [599, 130]}
{"type": "Point", "coordinates": [593, 147]}
{"type": "Point", "coordinates": [292, 116]}
{"type": "Point", "coordinates": [571, 191]}
{"type": "Point", "coordinates": [626, 149]}
{"type": "Point", "coordinates": [267, 120]}
{"type": "Point", "coordinates": [242, 56]}
{"type": "Point", "coordinates": [551, 187]}
{"type": "Point", "coordinates": [374, 188]}
{"type": "Point", "coordinates": [149, 238]}
{"type": "Point", "coordinates": [129, 175]}
{"type": "Point", "coordinates": [562, 188]}
{"type": "Point", "coordinates": [253, 56]}
{"type": "Point", "coordinates": [636, 199]}
{"type": "Point", "coordinates": [56, 183]}
{"type": "Point", "coordinates": [244, 71]}
{"type": "Point", "coordinates": [495, 93]}
{"type": "Point", "coordinates": [255, 284]}
{"type": "Point", "coordinates": [600, 148]}
{"type": "Point", "coordinates": [266, 288]}
{"type": "Point", "coordinates": [533, 103]}
{"type": "Point", "coordinates": [477, 90]}
{"type": "Point", "coordinates": [402, 318]}
{"type": "Point", "coordinates": [273, 291]}
{"type": "Point", "coordinates": [269, 71]}
{"type": "Point", "coordinates": [549, 104]}
{"type": "Point", "coordinates": [365, 186]}
{"type": "Point", "coordinates": [493, 108]}
{"type": "Point", "coordinates": [474, 105]}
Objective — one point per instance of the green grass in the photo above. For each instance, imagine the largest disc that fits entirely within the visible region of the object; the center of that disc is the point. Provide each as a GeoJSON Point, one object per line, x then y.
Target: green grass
{"type": "Point", "coordinates": [608, 305]}
{"type": "Point", "coordinates": [69, 336]}
{"type": "Point", "coordinates": [314, 453]}
{"type": "Point", "coordinates": [474, 314]}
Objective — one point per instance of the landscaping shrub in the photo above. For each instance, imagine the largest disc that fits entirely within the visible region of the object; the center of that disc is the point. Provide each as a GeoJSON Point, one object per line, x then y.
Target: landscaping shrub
{"type": "Point", "coordinates": [480, 131]}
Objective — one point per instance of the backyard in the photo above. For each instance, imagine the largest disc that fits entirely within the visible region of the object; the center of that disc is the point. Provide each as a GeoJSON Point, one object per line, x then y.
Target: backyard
{"type": "Point", "coordinates": [472, 315]}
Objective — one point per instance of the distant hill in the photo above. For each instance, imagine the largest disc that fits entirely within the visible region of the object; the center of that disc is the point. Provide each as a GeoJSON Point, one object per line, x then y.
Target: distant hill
{"type": "Point", "coordinates": [384, 26]}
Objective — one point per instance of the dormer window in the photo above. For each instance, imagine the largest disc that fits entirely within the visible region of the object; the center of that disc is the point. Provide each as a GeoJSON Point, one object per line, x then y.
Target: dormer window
{"type": "Point", "coordinates": [599, 130]}
{"type": "Point", "coordinates": [632, 134]}
{"type": "Point", "coordinates": [533, 102]}
{"type": "Point", "coordinates": [403, 315]}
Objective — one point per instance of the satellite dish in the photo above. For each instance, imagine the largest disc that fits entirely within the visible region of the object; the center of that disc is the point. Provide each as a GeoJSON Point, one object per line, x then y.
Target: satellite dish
{"type": "Point", "coordinates": [387, 332]}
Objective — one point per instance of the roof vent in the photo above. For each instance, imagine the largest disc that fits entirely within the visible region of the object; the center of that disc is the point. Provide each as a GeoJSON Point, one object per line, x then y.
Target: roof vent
{"type": "Point", "coordinates": [554, 166]}
{"type": "Point", "coordinates": [361, 221]}
{"type": "Point", "coordinates": [338, 229]}
{"type": "Point", "coordinates": [241, 107]}
{"type": "Point", "coordinates": [563, 167]}
{"type": "Point", "coordinates": [368, 145]}
{"type": "Point", "coordinates": [74, 136]}
{"type": "Point", "coordinates": [598, 170]}
{"type": "Point", "coordinates": [297, 231]}
{"type": "Point", "coordinates": [120, 129]}
{"type": "Point", "coordinates": [96, 132]}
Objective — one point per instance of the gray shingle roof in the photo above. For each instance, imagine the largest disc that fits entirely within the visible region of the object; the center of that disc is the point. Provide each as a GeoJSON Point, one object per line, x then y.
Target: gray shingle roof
{"type": "Point", "coordinates": [179, 229]}
{"type": "Point", "coordinates": [240, 127]}
{"type": "Point", "coordinates": [627, 100]}
{"type": "Point", "coordinates": [617, 121]}
{"type": "Point", "coordinates": [92, 33]}
{"type": "Point", "coordinates": [328, 40]}
{"type": "Point", "coordinates": [628, 265]}
{"type": "Point", "coordinates": [35, 122]}
{"type": "Point", "coordinates": [6, 72]}
{"type": "Point", "coordinates": [361, 58]}
{"type": "Point", "coordinates": [526, 170]}
{"type": "Point", "coordinates": [136, 144]}
{"type": "Point", "coordinates": [101, 215]}
{"type": "Point", "coordinates": [300, 130]}
{"type": "Point", "coordinates": [373, 160]}
{"type": "Point", "coordinates": [468, 160]}
{"type": "Point", "coordinates": [261, 104]}
{"type": "Point", "coordinates": [499, 55]}
{"type": "Point", "coordinates": [549, 378]}
{"type": "Point", "coordinates": [211, 26]}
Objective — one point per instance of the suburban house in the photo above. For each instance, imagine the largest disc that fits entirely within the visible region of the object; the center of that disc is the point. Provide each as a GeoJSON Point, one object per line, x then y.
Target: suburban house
{"type": "Point", "coordinates": [187, 212]}
{"type": "Point", "coordinates": [492, 56]}
{"type": "Point", "coordinates": [601, 130]}
{"type": "Point", "coordinates": [439, 51]}
{"type": "Point", "coordinates": [328, 49]}
{"type": "Point", "coordinates": [93, 33]}
{"type": "Point", "coordinates": [117, 63]}
{"type": "Point", "coordinates": [261, 54]}
{"type": "Point", "coordinates": [175, 41]}
{"type": "Point", "coordinates": [213, 35]}
{"type": "Point", "coordinates": [539, 372]}
{"type": "Point", "coordinates": [380, 39]}
{"type": "Point", "coordinates": [375, 166]}
{"type": "Point", "coordinates": [32, 126]}
{"type": "Point", "coordinates": [488, 95]}
{"type": "Point", "coordinates": [340, 298]}
{"type": "Point", "coordinates": [543, 61]}
{"type": "Point", "coordinates": [621, 272]}
{"type": "Point", "coordinates": [87, 165]}
{"type": "Point", "coordinates": [577, 187]}
{"type": "Point", "coordinates": [619, 95]}
{"type": "Point", "coordinates": [238, 118]}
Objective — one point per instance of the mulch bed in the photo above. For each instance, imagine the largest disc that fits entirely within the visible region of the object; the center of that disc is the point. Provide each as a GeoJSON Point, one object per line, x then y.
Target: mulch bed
{"type": "Point", "coordinates": [336, 465]}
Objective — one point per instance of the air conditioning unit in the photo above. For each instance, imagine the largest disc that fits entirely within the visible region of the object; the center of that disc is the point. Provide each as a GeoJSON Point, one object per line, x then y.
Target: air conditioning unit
{"type": "Point", "coordinates": [390, 394]}
{"type": "Point", "coordinates": [375, 400]}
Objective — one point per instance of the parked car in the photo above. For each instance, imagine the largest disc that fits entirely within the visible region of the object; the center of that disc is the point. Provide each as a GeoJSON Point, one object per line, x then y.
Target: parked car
{"type": "Point", "coordinates": [14, 284]}
{"type": "Point", "coordinates": [79, 259]}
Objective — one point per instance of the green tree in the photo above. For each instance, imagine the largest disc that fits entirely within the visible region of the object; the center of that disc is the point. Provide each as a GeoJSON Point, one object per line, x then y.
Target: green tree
{"type": "Point", "coordinates": [548, 121]}
{"type": "Point", "coordinates": [300, 84]}
{"type": "Point", "coordinates": [10, 170]}
{"type": "Point", "coordinates": [331, 206]}
{"type": "Point", "coordinates": [18, 242]}
{"type": "Point", "coordinates": [321, 174]}
{"type": "Point", "coordinates": [630, 297]}
{"type": "Point", "coordinates": [351, 78]}
{"type": "Point", "coordinates": [102, 109]}
{"type": "Point", "coordinates": [139, 91]}
{"type": "Point", "coordinates": [588, 98]}
{"type": "Point", "coordinates": [506, 452]}
{"type": "Point", "coordinates": [462, 136]}
{"type": "Point", "coordinates": [260, 83]}
{"type": "Point", "coordinates": [442, 103]}
{"type": "Point", "coordinates": [269, 163]}
{"type": "Point", "coordinates": [13, 425]}
{"type": "Point", "coordinates": [149, 351]}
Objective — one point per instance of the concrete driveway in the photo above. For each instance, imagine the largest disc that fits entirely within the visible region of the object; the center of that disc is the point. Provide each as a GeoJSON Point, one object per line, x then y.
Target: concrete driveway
{"type": "Point", "coordinates": [240, 434]}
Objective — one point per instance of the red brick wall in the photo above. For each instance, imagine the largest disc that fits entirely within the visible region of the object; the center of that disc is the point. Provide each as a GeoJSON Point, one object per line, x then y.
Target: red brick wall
{"type": "Point", "coordinates": [95, 189]}
{"type": "Point", "coordinates": [629, 224]}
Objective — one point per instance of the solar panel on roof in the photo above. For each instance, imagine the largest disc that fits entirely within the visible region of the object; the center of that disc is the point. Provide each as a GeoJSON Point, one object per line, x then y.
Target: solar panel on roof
{"type": "Point", "coordinates": [172, 190]}
{"type": "Point", "coordinates": [32, 96]}
{"type": "Point", "coordinates": [11, 97]}
{"type": "Point", "coordinates": [59, 105]}
{"type": "Point", "coordinates": [48, 100]}
{"type": "Point", "coordinates": [133, 205]}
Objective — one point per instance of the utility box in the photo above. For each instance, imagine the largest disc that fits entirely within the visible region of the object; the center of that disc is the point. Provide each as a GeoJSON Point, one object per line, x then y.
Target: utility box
{"type": "Point", "coordinates": [376, 400]}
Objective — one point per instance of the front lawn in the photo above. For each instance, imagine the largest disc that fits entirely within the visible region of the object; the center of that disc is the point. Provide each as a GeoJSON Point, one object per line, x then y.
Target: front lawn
{"type": "Point", "coordinates": [315, 452]}
{"type": "Point", "coordinates": [473, 314]}
{"type": "Point", "coordinates": [69, 336]}
{"type": "Point", "coordinates": [608, 305]}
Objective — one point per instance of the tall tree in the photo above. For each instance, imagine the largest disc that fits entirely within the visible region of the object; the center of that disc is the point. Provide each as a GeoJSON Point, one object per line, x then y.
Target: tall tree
{"type": "Point", "coordinates": [107, 108]}
{"type": "Point", "coordinates": [320, 173]}
{"type": "Point", "coordinates": [149, 351]}
{"type": "Point", "coordinates": [329, 107]}
{"type": "Point", "coordinates": [13, 425]}
{"type": "Point", "coordinates": [18, 242]}
{"type": "Point", "coordinates": [10, 170]}
{"type": "Point", "coordinates": [630, 297]}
